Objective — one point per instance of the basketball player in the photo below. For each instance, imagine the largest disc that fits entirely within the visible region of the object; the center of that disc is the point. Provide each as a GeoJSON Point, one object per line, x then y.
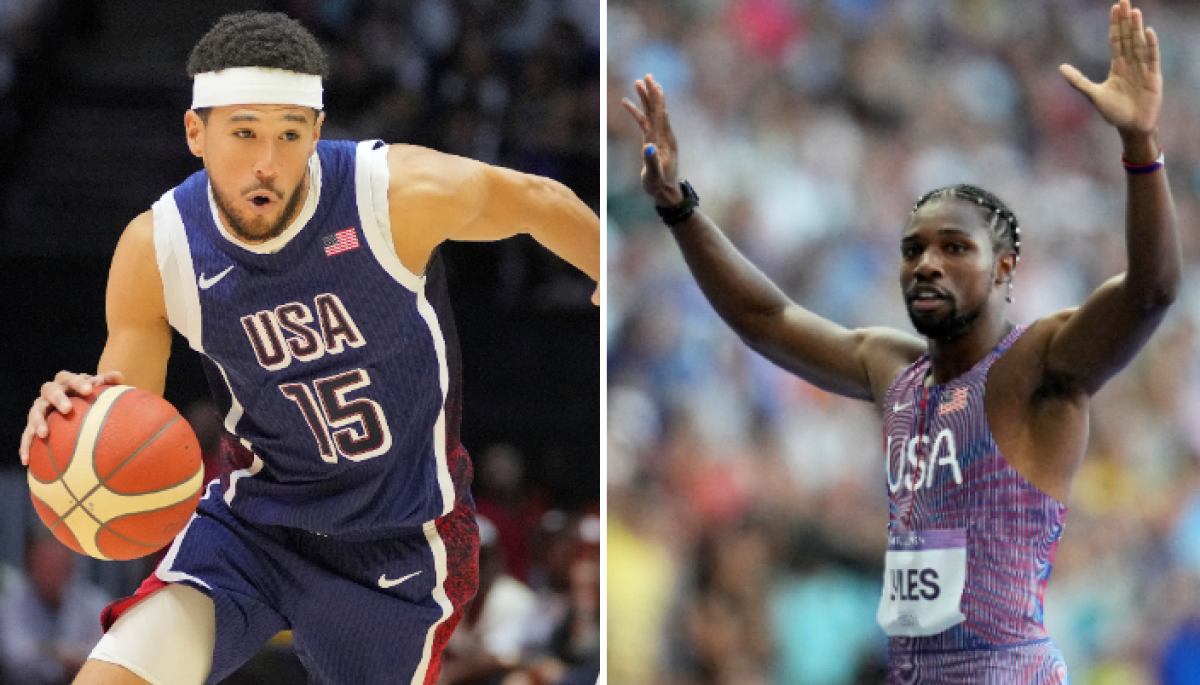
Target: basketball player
{"type": "Point", "coordinates": [986, 422]}
{"type": "Point", "coordinates": [307, 275]}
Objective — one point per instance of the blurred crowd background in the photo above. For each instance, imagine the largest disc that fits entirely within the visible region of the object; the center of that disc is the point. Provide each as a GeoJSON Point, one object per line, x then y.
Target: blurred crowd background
{"type": "Point", "coordinates": [747, 510]}
{"type": "Point", "coordinates": [92, 96]}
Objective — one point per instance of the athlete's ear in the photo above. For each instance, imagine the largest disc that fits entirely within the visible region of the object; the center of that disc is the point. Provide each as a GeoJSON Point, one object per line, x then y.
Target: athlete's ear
{"type": "Point", "coordinates": [195, 132]}
{"type": "Point", "coordinates": [1006, 265]}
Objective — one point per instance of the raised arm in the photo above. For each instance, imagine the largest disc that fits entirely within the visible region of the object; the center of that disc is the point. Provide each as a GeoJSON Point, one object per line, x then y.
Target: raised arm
{"type": "Point", "coordinates": [1102, 336]}
{"type": "Point", "coordinates": [434, 197]}
{"type": "Point", "coordinates": [856, 363]}
{"type": "Point", "coordinates": [139, 337]}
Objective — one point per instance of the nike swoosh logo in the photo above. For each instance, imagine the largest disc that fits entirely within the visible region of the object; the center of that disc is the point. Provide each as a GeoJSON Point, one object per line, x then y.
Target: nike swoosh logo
{"type": "Point", "coordinates": [901, 407]}
{"type": "Point", "coordinates": [206, 283]}
{"type": "Point", "coordinates": [385, 583]}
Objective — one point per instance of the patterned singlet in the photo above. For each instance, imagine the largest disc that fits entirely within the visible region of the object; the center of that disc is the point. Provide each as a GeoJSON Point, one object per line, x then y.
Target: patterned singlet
{"type": "Point", "coordinates": [971, 541]}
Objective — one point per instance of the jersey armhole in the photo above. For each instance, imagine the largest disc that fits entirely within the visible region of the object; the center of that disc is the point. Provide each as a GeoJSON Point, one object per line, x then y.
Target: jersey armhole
{"type": "Point", "coordinates": [174, 258]}
{"type": "Point", "coordinates": [371, 179]}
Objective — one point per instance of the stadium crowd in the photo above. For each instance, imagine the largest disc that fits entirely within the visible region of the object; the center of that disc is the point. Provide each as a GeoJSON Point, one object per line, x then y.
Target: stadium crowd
{"type": "Point", "coordinates": [748, 510]}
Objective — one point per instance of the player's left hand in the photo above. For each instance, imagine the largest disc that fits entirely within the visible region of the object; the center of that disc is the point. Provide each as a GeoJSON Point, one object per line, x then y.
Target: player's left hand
{"type": "Point", "coordinates": [659, 148]}
{"type": "Point", "coordinates": [1131, 97]}
{"type": "Point", "coordinates": [596, 296]}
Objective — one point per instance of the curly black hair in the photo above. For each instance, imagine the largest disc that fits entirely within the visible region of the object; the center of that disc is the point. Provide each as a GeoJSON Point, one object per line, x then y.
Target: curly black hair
{"type": "Point", "coordinates": [1001, 222]}
{"type": "Point", "coordinates": [258, 39]}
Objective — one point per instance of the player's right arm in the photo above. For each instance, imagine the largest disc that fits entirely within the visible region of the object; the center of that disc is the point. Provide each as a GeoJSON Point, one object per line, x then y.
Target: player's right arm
{"type": "Point", "coordinates": [139, 337]}
{"type": "Point", "coordinates": [856, 363]}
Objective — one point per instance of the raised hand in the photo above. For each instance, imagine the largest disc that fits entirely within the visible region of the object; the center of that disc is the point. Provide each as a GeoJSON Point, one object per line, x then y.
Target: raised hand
{"type": "Point", "coordinates": [1131, 97]}
{"type": "Point", "coordinates": [659, 150]}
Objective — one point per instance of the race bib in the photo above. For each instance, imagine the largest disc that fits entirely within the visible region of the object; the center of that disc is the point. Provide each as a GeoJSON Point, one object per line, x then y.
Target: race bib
{"type": "Point", "coordinates": [923, 583]}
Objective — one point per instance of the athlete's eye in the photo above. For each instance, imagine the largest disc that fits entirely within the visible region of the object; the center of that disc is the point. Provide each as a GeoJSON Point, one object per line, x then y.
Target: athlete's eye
{"type": "Point", "coordinates": [243, 133]}
{"type": "Point", "coordinates": [909, 251]}
{"type": "Point", "coordinates": [956, 248]}
{"type": "Point", "coordinates": [291, 135]}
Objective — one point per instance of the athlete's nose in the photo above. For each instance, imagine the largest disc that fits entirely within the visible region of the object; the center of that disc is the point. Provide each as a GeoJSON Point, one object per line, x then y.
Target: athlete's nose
{"type": "Point", "coordinates": [929, 265]}
{"type": "Point", "coordinates": [266, 164]}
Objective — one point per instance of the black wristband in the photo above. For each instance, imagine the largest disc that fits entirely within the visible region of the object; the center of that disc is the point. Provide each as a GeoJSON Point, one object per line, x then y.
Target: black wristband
{"type": "Point", "coordinates": [673, 216]}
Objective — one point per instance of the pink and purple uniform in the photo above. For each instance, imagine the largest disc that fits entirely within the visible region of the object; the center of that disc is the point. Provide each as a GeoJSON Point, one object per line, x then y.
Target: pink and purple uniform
{"type": "Point", "coordinates": [971, 541]}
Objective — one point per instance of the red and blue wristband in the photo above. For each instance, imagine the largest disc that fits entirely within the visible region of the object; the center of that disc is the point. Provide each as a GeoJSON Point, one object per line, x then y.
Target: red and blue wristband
{"type": "Point", "coordinates": [1145, 168]}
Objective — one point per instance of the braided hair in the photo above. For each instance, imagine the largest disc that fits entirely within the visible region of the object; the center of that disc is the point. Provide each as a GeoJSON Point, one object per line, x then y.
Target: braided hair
{"type": "Point", "coordinates": [1001, 223]}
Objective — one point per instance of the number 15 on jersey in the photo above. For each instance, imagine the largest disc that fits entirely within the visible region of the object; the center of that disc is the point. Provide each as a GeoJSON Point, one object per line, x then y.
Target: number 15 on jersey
{"type": "Point", "coordinates": [356, 429]}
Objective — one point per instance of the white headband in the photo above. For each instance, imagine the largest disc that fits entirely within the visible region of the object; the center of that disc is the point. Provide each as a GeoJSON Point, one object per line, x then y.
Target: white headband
{"type": "Point", "coordinates": [255, 86]}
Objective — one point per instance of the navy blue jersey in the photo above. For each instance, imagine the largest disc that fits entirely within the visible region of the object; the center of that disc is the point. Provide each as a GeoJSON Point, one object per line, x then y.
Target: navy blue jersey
{"type": "Point", "coordinates": [336, 369]}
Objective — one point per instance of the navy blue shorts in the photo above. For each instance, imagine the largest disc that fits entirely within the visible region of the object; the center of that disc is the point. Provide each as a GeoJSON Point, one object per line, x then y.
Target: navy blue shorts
{"type": "Point", "coordinates": [360, 611]}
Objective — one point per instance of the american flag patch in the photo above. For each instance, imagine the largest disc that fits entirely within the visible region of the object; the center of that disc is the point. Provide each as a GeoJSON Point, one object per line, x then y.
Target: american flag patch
{"type": "Point", "coordinates": [954, 401]}
{"type": "Point", "coordinates": [340, 242]}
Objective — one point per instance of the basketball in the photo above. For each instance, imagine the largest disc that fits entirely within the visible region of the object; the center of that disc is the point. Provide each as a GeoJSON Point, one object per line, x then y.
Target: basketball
{"type": "Point", "coordinates": [119, 476]}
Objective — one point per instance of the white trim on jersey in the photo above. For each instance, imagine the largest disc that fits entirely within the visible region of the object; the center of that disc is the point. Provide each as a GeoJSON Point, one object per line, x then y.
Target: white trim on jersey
{"type": "Point", "coordinates": [439, 595]}
{"type": "Point", "coordinates": [235, 476]}
{"type": "Point", "coordinates": [278, 242]}
{"type": "Point", "coordinates": [439, 428]}
{"type": "Point", "coordinates": [164, 571]}
{"type": "Point", "coordinates": [175, 268]}
{"type": "Point", "coordinates": [235, 407]}
{"type": "Point", "coordinates": [371, 177]}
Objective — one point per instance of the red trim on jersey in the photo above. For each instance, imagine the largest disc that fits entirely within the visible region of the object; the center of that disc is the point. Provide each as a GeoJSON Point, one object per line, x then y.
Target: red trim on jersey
{"type": "Point", "coordinates": [460, 535]}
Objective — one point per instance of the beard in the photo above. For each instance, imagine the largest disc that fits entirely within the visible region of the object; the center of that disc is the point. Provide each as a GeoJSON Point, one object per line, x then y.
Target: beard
{"type": "Point", "coordinates": [259, 229]}
{"type": "Point", "coordinates": [946, 327]}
